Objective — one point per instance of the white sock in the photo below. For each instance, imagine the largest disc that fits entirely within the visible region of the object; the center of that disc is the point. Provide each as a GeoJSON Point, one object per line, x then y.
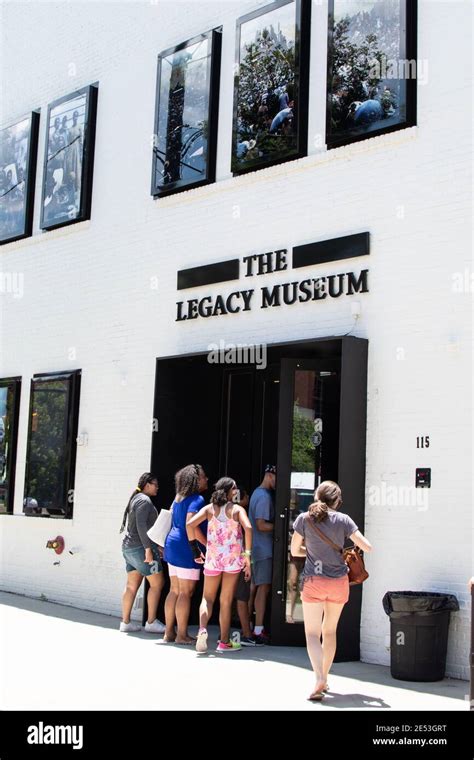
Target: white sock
{"type": "Point", "coordinates": [258, 630]}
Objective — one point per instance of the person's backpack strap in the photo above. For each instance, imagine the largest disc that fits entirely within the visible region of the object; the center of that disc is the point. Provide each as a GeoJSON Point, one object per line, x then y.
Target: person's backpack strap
{"type": "Point", "coordinates": [325, 538]}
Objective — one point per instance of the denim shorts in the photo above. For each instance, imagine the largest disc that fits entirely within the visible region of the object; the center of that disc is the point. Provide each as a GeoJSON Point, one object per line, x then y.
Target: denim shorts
{"type": "Point", "coordinates": [262, 571]}
{"type": "Point", "coordinates": [135, 560]}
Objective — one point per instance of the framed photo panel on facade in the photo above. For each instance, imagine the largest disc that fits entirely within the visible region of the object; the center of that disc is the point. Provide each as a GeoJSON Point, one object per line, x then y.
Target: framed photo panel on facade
{"type": "Point", "coordinates": [69, 159]}
{"type": "Point", "coordinates": [51, 445]}
{"type": "Point", "coordinates": [18, 152]}
{"type": "Point", "coordinates": [186, 114]}
{"type": "Point", "coordinates": [10, 389]}
{"type": "Point", "coordinates": [271, 85]}
{"type": "Point", "coordinates": [372, 68]}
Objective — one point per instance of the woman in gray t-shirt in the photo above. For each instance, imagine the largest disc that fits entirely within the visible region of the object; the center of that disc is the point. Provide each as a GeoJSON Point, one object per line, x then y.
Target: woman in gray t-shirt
{"type": "Point", "coordinates": [325, 582]}
{"type": "Point", "coordinates": [141, 555]}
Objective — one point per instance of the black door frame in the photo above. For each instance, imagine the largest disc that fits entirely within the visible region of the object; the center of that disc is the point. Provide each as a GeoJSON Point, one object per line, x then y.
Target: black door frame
{"type": "Point", "coordinates": [281, 630]}
{"type": "Point", "coordinates": [351, 478]}
{"type": "Point", "coordinates": [351, 354]}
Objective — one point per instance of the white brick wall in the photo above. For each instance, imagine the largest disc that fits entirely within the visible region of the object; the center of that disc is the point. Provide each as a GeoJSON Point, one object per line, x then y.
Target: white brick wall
{"type": "Point", "coordinates": [87, 288]}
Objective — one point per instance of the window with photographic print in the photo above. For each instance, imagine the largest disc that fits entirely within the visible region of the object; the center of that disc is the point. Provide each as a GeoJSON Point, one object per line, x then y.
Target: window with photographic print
{"type": "Point", "coordinates": [69, 159]}
{"type": "Point", "coordinates": [271, 85]}
{"type": "Point", "coordinates": [18, 152]}
{"type": "Point", "coordinates": [51, 447]}
{"type": "Point", "coordinates": [9, 410]}
{"type": "Point", "coordinates": [371, 68]}
{"type": "Point", "coordinates": [185, 135]}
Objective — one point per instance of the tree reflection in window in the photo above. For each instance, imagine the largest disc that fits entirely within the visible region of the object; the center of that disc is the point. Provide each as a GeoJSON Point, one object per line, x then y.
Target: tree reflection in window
{"type": "Point", "coordinates": [267, 87]}
{"type": "Point", "coordinates": [181, 151]}
{"type": "Point", "coordinates": [372, 73]}
{"type": "Point", "coordinates": [9, 408]}
{"type": "Point", "coordinates": [51, 441]}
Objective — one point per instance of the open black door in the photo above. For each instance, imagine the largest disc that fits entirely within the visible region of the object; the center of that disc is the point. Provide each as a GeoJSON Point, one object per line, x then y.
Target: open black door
{"type": "Point", "coordinates": [321, 436]}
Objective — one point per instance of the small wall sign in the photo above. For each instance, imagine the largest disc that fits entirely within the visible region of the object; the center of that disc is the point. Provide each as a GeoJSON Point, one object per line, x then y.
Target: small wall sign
{"type": "Point", "coordinates": [423, 477]}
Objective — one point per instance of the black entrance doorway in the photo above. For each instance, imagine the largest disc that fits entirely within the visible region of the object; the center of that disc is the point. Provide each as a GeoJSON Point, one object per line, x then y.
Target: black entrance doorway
{"type": "Point", "coordinates": [306, 411]}
{"type": "Point", "coordinates": [249, 423]}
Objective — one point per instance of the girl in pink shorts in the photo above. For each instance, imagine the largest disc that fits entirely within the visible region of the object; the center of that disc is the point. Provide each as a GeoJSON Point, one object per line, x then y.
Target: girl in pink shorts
{"type": "Point", "coordinates": [225, 558]}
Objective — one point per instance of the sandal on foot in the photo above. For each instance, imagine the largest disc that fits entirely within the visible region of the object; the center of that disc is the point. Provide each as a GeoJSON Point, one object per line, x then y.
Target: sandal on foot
{"type": "Point", "coordinates": [316, 696]}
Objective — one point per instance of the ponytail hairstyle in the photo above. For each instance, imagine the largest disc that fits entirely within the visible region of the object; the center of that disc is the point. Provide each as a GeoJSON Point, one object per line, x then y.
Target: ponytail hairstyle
{"type": "Point", "coordinates": [327, 494]}
{"type": "Point", "coordinates": [147, 477]}
{"type": "Point", "coordinates": [220, 496]}
{"type": "Point", "coordinates": [187, 479]}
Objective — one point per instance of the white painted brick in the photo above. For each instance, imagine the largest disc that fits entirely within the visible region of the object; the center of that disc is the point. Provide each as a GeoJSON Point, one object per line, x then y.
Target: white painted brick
{"type": "Point", "coordinates": [88, 286]}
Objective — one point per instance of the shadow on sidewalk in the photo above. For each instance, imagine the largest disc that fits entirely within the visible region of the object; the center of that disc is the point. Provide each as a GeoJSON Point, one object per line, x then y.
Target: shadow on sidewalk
{"type": "Point", "coordinates": [372, 674]}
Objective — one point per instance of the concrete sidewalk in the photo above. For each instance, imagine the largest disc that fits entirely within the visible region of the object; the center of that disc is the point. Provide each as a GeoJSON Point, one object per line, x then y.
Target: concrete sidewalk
{"type": "Point", "coordinates": [54, 657]}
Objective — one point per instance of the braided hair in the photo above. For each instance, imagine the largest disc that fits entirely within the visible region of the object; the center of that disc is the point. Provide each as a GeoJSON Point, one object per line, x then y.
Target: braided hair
{"type": "Point", "coordinates": [147, 477]}
{"type": "Point", "coordinates": [221, 492]}
{"type": "Point", "coordinates": [187, 479]}
{"type": "Point", "coordinates": [328, 494]}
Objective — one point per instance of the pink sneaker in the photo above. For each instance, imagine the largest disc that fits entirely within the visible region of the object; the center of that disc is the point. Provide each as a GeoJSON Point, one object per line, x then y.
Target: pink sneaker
{"type": "Point", "coordinates": [228, 646]}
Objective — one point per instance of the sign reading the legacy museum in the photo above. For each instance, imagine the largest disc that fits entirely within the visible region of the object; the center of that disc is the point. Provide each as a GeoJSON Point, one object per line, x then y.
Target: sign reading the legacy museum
{"type": "Point", "coordinates": [286, 293]}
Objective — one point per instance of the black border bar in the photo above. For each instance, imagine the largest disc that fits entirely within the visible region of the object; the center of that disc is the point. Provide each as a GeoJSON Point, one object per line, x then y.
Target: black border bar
{"type": "Point", "coordinates": [346, 247]}
{"type": "Point", "coordinates": [209, 274]}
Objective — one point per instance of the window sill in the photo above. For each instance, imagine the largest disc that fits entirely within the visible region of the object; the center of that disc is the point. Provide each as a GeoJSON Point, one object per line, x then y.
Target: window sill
{"type": "Point", "coordinates": [289, 168]}
{"type": "Point", "coordinates": [40, 236]}
{"type": "Point", "coordinates": [36, 517]}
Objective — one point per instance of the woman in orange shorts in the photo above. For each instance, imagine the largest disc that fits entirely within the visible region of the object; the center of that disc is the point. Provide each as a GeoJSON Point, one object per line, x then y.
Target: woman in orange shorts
{"type": "Point", "coordinates": [324, 578]}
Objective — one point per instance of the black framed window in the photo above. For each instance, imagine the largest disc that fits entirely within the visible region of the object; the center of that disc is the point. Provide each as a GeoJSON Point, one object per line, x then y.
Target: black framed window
{"type": "Point", "coordinates": [51, 448]}
{"type": "Point", "coordinates": [186, 115]}
{"type": "Point", "coordinates": [18, 152]}
{"type": "Point", "coordinates": [270, 122]}
{"type": "Point", "coordinates": [10, 389]}
{"type": "Point", "coordinates": [69, 158]}
{"type": "Point", "coordinates": [371, 84]}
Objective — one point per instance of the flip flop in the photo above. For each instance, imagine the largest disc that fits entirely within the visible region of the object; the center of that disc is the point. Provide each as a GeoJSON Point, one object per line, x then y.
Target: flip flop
{"type": "Point", "coordinates": [316, 696]}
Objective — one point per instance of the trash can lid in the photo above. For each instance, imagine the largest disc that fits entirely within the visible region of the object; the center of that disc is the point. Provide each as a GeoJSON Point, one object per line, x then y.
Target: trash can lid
{"type": "Point", "coordinates": [418, 601]}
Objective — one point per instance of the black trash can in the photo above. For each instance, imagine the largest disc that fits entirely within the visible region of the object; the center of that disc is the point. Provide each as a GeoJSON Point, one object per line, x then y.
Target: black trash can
{"type": "Point", "coordinates": [419, 622]}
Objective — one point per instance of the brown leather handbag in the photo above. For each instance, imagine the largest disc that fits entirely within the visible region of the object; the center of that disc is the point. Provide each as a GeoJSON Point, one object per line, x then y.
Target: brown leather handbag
{"type": "Point", "coordinates": [352, 557]}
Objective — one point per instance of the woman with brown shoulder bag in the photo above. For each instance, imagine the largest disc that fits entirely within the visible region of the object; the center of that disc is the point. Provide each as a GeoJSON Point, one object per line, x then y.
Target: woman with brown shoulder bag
{"type": "Point", "coordinates": [325, 577]}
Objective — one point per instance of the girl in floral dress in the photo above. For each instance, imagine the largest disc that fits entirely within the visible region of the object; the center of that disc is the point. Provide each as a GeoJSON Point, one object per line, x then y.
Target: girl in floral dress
{"type": "Point", "coordinates": [225, 558]}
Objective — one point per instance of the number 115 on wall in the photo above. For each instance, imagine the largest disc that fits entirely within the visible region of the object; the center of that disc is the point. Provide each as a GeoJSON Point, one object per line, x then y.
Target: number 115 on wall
{"type": "Point", "coordinates": [422, 442]}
